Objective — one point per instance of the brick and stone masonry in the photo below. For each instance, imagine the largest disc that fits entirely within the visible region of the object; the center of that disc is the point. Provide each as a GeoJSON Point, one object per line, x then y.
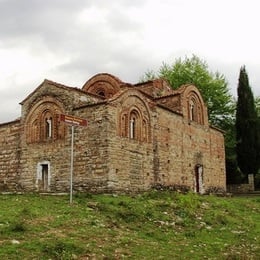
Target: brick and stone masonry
{"type": "Point", "coordinates": [138, 136]}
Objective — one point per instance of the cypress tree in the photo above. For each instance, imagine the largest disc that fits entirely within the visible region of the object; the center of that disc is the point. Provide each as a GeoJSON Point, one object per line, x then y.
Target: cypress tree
{"type": "Point", "coordinates": [246, 127]}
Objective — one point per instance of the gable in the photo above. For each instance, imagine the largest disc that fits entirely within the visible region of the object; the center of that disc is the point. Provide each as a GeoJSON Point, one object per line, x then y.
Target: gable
{"type": "Point", "coordinates": [42, 121]}
{"type": "Point", "coordinates": [193, 106]}
{"type": "Point", "coordinates": [155, 88]}
{"type": "Point", "coordinates": [133, 115]}
{"type": "Point", "coordinates": [172, 102]}
{"type": "Point", "coordinates": [67, 96]}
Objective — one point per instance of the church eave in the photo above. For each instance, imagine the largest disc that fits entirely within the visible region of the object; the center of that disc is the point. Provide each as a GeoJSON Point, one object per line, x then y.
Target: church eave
{"type": "Point", "coordinates": [58, 85]}
{"type": "Point", "coordinates": [18, 120]}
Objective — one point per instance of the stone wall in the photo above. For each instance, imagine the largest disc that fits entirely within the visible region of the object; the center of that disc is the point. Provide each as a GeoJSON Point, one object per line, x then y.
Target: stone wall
{"type": "Point", "coordinates": [243, 187]}
{"type": "Point", "coordinates": [54, 154]}
{"type": "Point", "coordinates": [91, 150]}
{"type": "Point", "coordinates": [10, 155]}
{"type": "Point", "coordinates": [240, 188]}
{"type": "Point", "coordinates": [182, 146]}
{"type": "Point", "coordinates": [216, 181]}
{"type": "Point", "coordinates": [170, 158]}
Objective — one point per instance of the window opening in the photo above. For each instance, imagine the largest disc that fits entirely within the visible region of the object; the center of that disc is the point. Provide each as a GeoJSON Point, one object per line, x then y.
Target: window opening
{"type": "Point", "coordinates": [144, 131]}
{"type": "Point", "coordinates": [49, 127]}
{"type": "Point", "coordinates": [133, 125]}
{"type": "Point", "coordinates": [192, 110]}
{"type": "Point", "coordinates": [35, 131]}
{"type": "Point", "coordinates": [132, 128]}
{"type": "Point", "coordinates": [124, 125]}
{"type": "Point", "coordinates": [101, 93]}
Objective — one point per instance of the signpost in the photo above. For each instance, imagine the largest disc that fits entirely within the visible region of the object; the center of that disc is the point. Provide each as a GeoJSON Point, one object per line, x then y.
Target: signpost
{"type": "Point", "coordinates": [73, 121]}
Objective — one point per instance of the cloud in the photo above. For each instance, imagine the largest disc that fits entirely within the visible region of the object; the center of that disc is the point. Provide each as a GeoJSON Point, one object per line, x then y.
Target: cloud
{"type": "Point", "coordinates": [69, 41]}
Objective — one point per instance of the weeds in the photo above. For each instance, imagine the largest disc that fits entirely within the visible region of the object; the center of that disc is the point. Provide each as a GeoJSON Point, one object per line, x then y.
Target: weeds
{"type": "Point", "coordinates": [19, 226]}
{"type": "Point", "coordinates": [60, 250]}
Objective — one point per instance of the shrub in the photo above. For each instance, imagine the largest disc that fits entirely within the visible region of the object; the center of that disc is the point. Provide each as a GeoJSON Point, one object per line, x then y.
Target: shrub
{"type": "Point", "coordinates": [61, 250]}
{"type": "Point", "coordinates": [18, 226]}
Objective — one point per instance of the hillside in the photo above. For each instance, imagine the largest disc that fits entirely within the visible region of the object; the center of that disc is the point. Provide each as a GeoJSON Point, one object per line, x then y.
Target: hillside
{"type": "Point", "coordinates": [153, 225]}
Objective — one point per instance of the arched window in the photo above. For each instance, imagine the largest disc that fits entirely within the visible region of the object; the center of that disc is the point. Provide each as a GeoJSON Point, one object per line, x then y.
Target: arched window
{"type": "Point", "coordinates": [35, 131]}
{"type": "Point", "coordinates": [132, 128]}
{"type": "Point", "coordinates": [47, 125]}
{"type": "Point", "coordinates": [43, 125]}
{"type": "Point", "coordinates": [191, 110]}
{"type": "Point", "coordinates": [101, 92]}
{"type": "Point", "coordinates": [195, 110]}
{"type": "Point", "coordinates": [134, 125]}
{"type": "Point", "coordinates": [124, 125]}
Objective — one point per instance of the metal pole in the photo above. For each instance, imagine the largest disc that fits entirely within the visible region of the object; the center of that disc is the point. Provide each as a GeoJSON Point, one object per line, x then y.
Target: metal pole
{"type": "Point", "coordinates": [71, 162]}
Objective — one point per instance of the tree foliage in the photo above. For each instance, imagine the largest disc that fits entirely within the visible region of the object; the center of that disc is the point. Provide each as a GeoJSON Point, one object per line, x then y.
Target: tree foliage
{"type": "Point", "coordinates": [247, 127]}
{"type": "Point", "coordinates": [257, 106]}
{"type": "Point", "coordinates": [213, 86]}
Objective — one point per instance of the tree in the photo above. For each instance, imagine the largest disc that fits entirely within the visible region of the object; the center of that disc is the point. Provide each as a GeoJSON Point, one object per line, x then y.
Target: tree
{"type": "Point", "coordinates": [215, 92]}
{"type": "Point", "coordinates": [213, 86]}
{"type": "Point", "coordinates": [257, 106]}
{"type": "Point", "coordinates": [247, 127]}
{"type": "Point", "coordinates": [257, 176]}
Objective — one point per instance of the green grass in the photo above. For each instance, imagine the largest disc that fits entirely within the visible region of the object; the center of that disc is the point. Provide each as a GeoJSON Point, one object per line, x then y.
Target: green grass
{"type": "Point", "coordinates": [153, 225]}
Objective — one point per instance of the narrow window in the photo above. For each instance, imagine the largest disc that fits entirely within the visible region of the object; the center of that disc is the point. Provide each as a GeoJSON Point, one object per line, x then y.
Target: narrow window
{"type": "Point", "coordinates": [135, 125]}
{"type": "Point", "coordinates": [192, 110]}
{"type": "Point", "coordinates": [132, 128]}
{"type": "Point", "coordinates": [35, 131]}
{"type": "Point", "coordinates": [195, 108]}
{"type": "Point", "coordinates": [124, 125]}
{"type": "Point", "coordinates": [101, 93]}
{"type": "Point", "coordinates": [48, 129]}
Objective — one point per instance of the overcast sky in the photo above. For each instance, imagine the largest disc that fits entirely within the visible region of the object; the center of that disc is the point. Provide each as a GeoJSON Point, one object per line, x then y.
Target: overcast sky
{"type": "Point", "coordinates": [69, 41]}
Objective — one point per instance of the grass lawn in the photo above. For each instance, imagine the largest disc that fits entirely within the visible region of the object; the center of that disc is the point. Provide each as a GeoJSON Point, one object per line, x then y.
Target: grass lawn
{"type": "Point", "coordinates": [152, 225]}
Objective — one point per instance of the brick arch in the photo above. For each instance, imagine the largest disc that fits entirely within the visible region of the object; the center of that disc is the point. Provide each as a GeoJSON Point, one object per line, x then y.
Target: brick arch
{"type": "Point", "coordinates": [135, 123]}
{"type": "Point", "coordinates": [134, 119]}
{"type": "Point", "coordinates": [42, 122]}
{"type": "Point", "coordinates": [194, 108]}
{"type": "Point", "coordinates": [103, 84]}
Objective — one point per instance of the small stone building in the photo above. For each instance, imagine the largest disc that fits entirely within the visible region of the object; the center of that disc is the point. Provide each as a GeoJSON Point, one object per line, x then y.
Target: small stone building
{"type": "Point", "coordinates": [138, 136]}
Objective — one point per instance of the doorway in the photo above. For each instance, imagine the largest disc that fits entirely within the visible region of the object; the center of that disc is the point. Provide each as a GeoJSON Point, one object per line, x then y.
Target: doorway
{"type": "Point", "coordinates": [43, 176]}
{"type": "Point", "coordinates": [199, 178]}
{"type": "Point", "coordinates": [45, 173]}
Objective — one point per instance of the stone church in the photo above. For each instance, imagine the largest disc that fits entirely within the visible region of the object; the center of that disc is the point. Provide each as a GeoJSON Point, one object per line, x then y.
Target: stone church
{"type": "Point", "coordinates": [137, 137]}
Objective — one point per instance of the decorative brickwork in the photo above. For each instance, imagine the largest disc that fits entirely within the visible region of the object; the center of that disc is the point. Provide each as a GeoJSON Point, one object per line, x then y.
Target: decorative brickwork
{"type": "Point", "coordinates": [138, 136]}
{"type": "Point", "coordinates": [134, 121]}
{"type": "Point", "coordinates": [195, 108]}
{"type": "Point", "coordinates": [42, 122]}
{"type": "Point", "coordinates": [104, 85]}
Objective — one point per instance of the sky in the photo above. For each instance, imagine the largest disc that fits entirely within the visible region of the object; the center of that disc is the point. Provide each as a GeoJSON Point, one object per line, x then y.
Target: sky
{"type": "Point", "coordinates": [69, 41]}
